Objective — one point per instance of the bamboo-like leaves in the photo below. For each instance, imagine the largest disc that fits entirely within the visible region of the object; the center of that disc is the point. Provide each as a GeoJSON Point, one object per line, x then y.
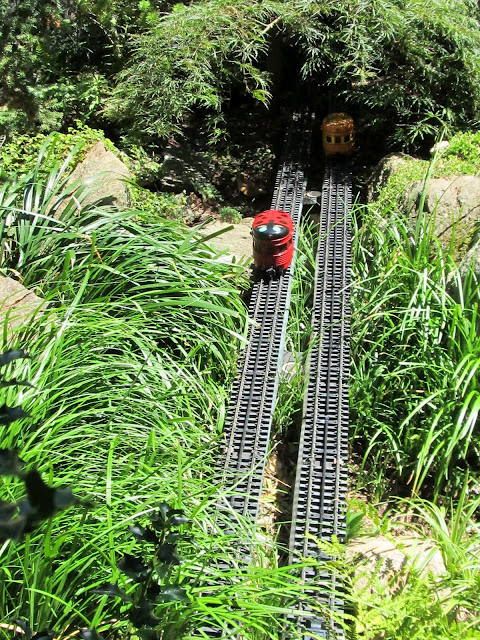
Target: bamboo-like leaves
{"type": "Point", "coordinates": [415, 385]}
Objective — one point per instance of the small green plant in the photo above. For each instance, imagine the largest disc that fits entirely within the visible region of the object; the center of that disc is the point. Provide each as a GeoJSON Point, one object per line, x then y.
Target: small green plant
{"type": "Point", "coordinates": [230, 214]}
{"type": "Point", "coordinates": [208, 192]}
{"type": "Point", "coordinates": [151, 577]}
{"type": "Point", "coordinates": [462, 156]}
{"type": "Point", "coordinates": [20, 155]}
{"type": "Point", "coordinates": [156, 205]}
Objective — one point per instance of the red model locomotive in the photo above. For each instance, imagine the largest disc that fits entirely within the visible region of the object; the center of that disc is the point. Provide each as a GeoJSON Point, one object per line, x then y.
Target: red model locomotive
{"type": "Point", "coordinates": [272, 233]}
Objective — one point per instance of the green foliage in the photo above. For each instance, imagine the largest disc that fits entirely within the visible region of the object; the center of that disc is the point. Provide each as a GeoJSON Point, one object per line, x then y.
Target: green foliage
{"type": "Point", "coordinates": [230, 214]}
{"type": "Point", "coordinates": [154, 205]}
{"type": "Point", "coordinates": [415, 397]}
{"type": "Point", "coordinates": [55, 58]}
{"type": "Point", "coordinates": [412, 601]}
{"type": "Point", "coordinates": [392, 196]}
{"type": "Point", "coordinates": [407, 69]}
{"type": "Point", "coordinates": [153, 574]}
{"type": "Point", "coordinates": [190, 60]}
{"type": "Point", "coordinates": [20, 156]}
{"type": "Point", "coordinates": [462, 156]}
{"type": "Point", "coordinates": [413, 66]}
{"type": "Point", "coordinates": [41, 502]}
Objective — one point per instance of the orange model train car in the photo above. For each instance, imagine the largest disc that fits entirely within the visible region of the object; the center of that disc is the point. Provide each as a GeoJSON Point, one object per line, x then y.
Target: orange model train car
{"type": "Point", "coordinates": [337, 134]}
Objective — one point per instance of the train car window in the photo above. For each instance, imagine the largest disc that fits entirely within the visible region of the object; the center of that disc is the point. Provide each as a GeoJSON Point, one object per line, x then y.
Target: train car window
{"type": "Point", "coordinates": [338, 139]}
{"type": "Point", "coordinates": [328, 138]}
{"type": "Point", "coordinates": [348, 138]}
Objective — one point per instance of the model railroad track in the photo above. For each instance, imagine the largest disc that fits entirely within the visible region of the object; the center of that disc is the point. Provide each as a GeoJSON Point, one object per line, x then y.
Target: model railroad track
{"type": "Point", "coordinates": [321, 477]}
{"type": "Point", "coordinates": [252, 401]}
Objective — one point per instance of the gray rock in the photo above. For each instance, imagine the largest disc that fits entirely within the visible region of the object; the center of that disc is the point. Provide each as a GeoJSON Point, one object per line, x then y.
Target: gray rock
{"type": "Point", "coordinates": [390, 560]}
{"type": "Point", "coordinates": [469, 264]}
{"type": "Point", "coordinates": [106, 175]}
{"type": "Point", "coordinates": [454, 203]}
{"type": "Point", "coordinates": [17, 304]}
{"type": "Point", "coordinates": [382, 172]}
{"type": "Point", "coordinates": [235, 241]}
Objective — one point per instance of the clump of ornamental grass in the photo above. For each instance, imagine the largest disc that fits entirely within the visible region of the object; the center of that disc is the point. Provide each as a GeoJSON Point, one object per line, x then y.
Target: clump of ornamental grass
{"type": "Point", "coordinates": [414, 392]}
{"type": "Point", "coordinates": [131, 356]}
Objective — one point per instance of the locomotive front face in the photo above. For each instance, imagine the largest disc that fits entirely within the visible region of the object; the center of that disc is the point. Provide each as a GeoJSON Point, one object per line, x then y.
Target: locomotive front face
{"type": "Point", "coordinates": [272, 233]}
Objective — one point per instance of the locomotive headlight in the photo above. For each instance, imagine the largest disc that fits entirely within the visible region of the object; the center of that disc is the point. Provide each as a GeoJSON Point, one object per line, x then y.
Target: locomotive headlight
{"type": "Point", "coordinates": [274, 229]}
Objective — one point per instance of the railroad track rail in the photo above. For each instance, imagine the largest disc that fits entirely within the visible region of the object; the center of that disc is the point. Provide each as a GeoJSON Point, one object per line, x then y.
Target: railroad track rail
{"type": "Point", "coordinates": [252, 401]}
{"type": "Point", "coordinates": [321, 479]}
{"type": "Point", "coordinates": [321, 476]}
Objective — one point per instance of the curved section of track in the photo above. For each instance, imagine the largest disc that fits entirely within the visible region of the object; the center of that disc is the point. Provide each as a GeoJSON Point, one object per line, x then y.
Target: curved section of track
{"type": "Point", "coordinates": [321, 477]}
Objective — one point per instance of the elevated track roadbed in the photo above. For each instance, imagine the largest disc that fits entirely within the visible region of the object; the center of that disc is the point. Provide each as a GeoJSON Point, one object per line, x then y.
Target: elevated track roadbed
{"type": "Point", "coordinates": [249, 418]}
{"type": "Point", "coordinates": [321, 476]}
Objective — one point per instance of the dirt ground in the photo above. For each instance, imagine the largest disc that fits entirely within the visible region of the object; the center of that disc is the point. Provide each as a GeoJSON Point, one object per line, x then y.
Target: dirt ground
{"type": "Point", "coordinates": [237, 242]}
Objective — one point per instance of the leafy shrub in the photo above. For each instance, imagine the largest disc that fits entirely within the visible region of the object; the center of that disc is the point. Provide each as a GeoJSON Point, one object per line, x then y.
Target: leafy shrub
{"type": "Point", "coordinates": [230, 214]}
{"type": "Point", "coordinates": [154, 205]}
{"type": "Point", "coordinates": [21, 155]}
{"type": "Point", "coordinates": [406, 70]}
{"type": "Point", "coordinates": [462, 156]}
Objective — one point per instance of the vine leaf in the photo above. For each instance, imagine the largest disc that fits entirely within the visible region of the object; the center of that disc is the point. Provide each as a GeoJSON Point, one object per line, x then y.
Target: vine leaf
{"type": "Point", "coordinates": [133, 567]}
{"type": "Point", "coordinates": [142, 616]}
{"type": "Point", "coordinates": [113, 590]}
{"type": "Point", "coordinates": [10, 414]}
{"type": "Point", "coordinates": [173, 593]}
{"type": "Point", "coordinates": [10, 463]}
{"type": "Point", "coordinates": [12, 354]}
{"type": "Point", "coordinates": [144, 533]}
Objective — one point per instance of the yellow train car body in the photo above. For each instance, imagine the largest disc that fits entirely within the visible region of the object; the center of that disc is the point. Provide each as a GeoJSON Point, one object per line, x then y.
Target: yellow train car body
{"type": "Point", "coordinates": [337, 134]}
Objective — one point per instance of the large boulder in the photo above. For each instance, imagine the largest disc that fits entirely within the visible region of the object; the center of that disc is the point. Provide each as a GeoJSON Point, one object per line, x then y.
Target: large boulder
{"type": "Point", "coordinates": [387, 166]}
{"type": "Point", "coordinates": [17, 304]}
{"type": "Point", "coordinates": [469, 265]}
{"type": "Point", "coordinates": [107, 176]}
{"type": "Point", "coordinates": [453, 204]}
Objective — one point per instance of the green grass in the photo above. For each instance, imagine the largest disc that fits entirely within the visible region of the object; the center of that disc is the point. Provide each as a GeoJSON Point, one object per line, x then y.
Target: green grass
{"type": "Point", "coordinates": [414, 359]}
{"type": "Point", "coordinates": [130, 363]}
{"type": "Point", "coordinates": [414, 411]}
